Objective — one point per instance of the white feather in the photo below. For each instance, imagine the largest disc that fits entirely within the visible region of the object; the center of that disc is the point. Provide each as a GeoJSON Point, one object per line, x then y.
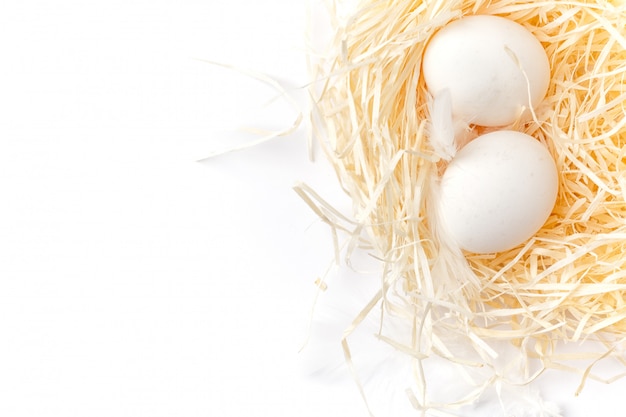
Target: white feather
{"type": "Point", "coordinates": [442, 130]}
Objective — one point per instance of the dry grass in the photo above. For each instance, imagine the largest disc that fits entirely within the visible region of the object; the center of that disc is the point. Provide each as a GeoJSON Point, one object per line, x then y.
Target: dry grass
{"type": "Point", "coordinates": [370, 113]}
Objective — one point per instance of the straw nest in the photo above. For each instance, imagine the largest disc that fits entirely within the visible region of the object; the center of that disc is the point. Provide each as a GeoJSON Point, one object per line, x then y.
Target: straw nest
{"type": "Point", "coordinates": [370, 113]}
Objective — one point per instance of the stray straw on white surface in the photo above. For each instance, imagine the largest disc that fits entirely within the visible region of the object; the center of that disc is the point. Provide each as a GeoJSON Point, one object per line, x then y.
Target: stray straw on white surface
{"type": "Point", "coordinates": [370, 112]}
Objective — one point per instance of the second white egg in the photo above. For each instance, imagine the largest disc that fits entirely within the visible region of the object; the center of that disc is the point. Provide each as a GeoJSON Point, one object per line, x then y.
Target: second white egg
{"type": "Point", "coordinates": [497, 192]}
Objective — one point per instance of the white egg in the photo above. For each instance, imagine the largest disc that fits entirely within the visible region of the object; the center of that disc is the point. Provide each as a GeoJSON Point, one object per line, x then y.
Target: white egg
{"type": "Point", "coordinates": [497, 192]}
{"type": "Point", "coordinates": [480, 59]}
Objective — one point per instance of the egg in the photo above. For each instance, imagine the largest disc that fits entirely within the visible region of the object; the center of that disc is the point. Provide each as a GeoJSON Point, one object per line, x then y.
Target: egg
{"type": "Point", "coordinates": [497, 192]}
{"type": "Point", "coordinates": [490, 65]}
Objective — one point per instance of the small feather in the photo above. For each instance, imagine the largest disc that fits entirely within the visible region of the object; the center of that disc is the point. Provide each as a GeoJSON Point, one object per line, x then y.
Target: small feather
{"type": "Point", "coordinates": [442, 132]}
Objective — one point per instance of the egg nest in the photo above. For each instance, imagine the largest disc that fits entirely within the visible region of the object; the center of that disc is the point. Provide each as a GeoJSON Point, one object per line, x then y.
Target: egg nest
{"type": "Point", "coordinates": [371, 115]}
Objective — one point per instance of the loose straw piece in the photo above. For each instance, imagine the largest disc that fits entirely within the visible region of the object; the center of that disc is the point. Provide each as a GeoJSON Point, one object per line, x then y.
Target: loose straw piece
{"type": "Point", "coordinates": [264, 136]}
{"type": "Point", "coordinates": [369, 112]}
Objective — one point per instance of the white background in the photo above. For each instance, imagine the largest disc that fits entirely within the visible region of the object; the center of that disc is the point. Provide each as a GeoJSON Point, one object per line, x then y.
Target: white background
{"type": "Point", "coordinates": [135, 281]}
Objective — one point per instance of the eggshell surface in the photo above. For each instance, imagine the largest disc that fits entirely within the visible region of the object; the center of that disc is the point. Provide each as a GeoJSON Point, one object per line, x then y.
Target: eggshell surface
{"type": "Point", "coordinates": [482, 60]}
{"type": "Point", "coordinates": [498, 191]}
